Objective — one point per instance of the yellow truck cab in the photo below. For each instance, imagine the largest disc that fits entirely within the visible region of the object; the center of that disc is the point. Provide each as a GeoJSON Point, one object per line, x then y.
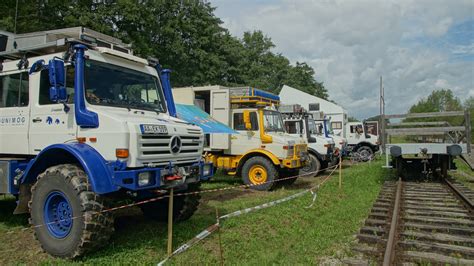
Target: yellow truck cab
{"type": "Point", "coordinates": [261, 151]}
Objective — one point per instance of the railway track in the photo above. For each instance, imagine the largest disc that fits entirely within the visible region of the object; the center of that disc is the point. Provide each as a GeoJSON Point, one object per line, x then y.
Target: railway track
{"type": "Point", "coordinates": [418, 222]}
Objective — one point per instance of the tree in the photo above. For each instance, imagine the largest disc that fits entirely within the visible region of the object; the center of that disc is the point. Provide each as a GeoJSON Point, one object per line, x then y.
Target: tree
{"type": "Point", "coordinates": [442, 101]}
{"type": "Point", "coordinates": [352, 119]}
{"type": "Point", "coordinates": [438, 101]}
{"type": "Point", "coordinates": [185, 35]}
{"type": "Point", "coordinates": [469, 105]}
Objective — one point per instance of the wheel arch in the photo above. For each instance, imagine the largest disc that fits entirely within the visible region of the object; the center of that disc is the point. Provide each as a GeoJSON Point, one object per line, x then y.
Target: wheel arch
{"type": "Point", "coordinates": [364, 143]}
{"type": "Point", "coordinates": [315, 153]}
{"type": "Point", "coordinates": [97, 169]}
{"type": "Point", "coordinates": [257, 152]}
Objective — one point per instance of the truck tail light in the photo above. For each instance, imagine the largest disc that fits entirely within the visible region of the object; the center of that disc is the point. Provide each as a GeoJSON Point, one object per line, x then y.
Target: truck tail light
{"type": "Point", "coordinates": [327, 145]}
{"type": "Point", "coordinates": [81, 139]}
{"type": "Point", "coordinates": [285, 147]}
{"type": "Point", "coordinates": [121, 153]}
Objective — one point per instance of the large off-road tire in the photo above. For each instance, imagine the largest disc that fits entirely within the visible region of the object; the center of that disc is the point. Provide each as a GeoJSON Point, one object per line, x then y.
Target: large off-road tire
{"type": "Point", "coordinates": [288, 177]}
{"type": "Point", "coordinates": [312, 167]}
{"type": "Point", "coordinates": [365, 153]}
{"type": "Point", "coordinates": [183, 206]}
{"type": "Point", "coordinates": [260, 173]}
{"type": "Point", "coordinates": [67, 216]}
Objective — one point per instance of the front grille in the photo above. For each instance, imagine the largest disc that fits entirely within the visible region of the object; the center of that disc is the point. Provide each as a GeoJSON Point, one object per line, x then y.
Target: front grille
{"type": "Point", "coordinates": [300, 148]}
{"type": "Point", "coordinates": [194, 131]}
{"type": "Point", "coordinates": [155, 149]}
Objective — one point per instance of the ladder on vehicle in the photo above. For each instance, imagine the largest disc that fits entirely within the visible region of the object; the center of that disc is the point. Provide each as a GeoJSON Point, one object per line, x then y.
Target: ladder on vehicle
{"type": "Point", "coordinates": [15, 46]}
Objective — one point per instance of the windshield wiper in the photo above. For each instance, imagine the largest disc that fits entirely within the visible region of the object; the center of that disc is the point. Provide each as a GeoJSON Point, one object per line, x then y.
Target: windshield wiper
{"type": "Point", "coordinates": [144, 106]}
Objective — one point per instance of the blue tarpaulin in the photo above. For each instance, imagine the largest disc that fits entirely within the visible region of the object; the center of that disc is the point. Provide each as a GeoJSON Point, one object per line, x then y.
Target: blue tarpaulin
{"type": "Point", "coordinates": [196, 115]}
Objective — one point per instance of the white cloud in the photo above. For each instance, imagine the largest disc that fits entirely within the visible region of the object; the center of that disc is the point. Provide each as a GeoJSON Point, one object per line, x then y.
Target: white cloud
{"type": "Point", "coordinates": [351, 43]}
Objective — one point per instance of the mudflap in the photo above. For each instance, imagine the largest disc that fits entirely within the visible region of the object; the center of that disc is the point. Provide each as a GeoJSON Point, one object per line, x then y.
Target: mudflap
{"type": "Point", "coordinates": [24, 198]}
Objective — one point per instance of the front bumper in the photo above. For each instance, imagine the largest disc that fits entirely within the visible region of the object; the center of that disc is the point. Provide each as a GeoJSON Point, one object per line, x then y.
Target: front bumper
{"type": "Point", "coordinates": [163, 177]}
{"type": "Point", "coordinates": [299, 158]}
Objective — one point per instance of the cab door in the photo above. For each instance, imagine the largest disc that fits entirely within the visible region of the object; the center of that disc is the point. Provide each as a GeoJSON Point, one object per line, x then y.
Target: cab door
{"type": "Point", "coordinates": [246, 140]}
{"type": "Point", "coordinates": [50, 123]}
{"type": "Point", "coordinates": [14, 113]}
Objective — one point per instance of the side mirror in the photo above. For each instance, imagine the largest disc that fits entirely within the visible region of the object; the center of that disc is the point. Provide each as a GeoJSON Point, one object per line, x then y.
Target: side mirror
{"type": "Point", "coordinates": [57, 91]}
{"type": "Point", "coordinates": [248, 124]}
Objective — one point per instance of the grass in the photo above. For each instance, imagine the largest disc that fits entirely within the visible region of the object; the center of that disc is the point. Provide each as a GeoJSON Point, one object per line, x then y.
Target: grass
{"type": "Point", "coordinates": [288, 233]}
{"type": "Point", "coordinates": [462, 166]}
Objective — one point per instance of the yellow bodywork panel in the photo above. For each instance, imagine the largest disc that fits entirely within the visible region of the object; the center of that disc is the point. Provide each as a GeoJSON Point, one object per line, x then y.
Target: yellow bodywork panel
{"type": "Point", "coordinates": [263, 136]}
{"type": "Point", "coordinates": [231, 162]}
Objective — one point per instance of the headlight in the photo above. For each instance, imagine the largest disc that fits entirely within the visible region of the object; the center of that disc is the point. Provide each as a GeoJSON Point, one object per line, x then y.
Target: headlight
{"type": "Point", "coordinates": [145, 179]}
{"type": "Point", "coordinates": [207, 170]}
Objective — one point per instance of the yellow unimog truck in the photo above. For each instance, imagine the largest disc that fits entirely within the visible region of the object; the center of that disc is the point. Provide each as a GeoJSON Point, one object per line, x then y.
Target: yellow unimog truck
{"type": "Point", "coordinates": [262, 151]}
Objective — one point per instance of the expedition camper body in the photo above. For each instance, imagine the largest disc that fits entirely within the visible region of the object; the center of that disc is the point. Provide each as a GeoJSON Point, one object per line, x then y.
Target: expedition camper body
{"type": "Point", "coordinates": [84, 122]}
{"type": "Point", "coordinates": [261, 151]}
{"type": "Point", "coordinates": [321, 148]}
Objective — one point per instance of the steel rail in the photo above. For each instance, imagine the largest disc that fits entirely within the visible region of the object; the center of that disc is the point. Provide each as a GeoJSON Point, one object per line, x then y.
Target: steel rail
{"type": "Point", "coordinates": [389, 254]}
{"type": "Point", "coordinates": [459, 194]}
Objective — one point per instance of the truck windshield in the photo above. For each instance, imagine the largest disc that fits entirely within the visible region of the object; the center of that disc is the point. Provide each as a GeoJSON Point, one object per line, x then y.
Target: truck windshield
{"type": "Point", "coordinates": [272, 121]}
{"type": "Point", "coordinates": [329, 127]}
{"type": "Point", "coordinates": [112, 85]}
{"type": "Point", "coordinates": [313, 129]}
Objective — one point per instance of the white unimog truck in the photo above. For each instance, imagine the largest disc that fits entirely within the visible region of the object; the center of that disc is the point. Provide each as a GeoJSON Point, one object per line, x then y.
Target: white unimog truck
{"type": "Point", "coordinates": [323, 127]}
{"type": "Point", "coordinates": [298, 122]}
{"type": "Point", "coordinates": [262, 151]}
{"type": "Point", "coordinates": [359, 140]}
{"type": "Point", "coordinates": [84, 122]}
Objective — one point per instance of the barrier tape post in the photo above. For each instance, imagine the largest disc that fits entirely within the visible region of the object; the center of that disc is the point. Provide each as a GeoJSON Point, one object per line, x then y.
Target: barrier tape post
{"type": "Point", "coordinates": [219, 236]}
{"type": "Point", "coordinates": [170, 223]}
{"type": "Point", "coordinates": [340, 171]}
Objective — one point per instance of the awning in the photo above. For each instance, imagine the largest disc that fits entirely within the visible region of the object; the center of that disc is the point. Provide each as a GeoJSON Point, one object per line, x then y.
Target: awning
{"type": "Point", "coordinates": [196, 115]}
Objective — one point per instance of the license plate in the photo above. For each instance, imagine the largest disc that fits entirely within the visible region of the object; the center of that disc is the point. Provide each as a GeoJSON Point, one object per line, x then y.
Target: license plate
{"type": "Point", "coordinates": [154, 129]}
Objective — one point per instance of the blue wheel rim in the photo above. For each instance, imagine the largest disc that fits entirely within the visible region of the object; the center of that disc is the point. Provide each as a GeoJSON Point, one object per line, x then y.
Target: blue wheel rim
{"type": "Point", "coordinates": [58, 214]}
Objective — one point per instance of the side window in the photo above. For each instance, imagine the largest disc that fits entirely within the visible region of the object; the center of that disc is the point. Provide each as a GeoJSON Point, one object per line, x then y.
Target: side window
{"type": "Point", "coordinates": [14, 90]}
{"type": "Point", "coordinates": [336, 125]}
{"type": "Point", "coordinates": [292, 127]}
{"type": "Point", "coordinates": [239, 121]}
{"type": "Point", "coordinates": [44, 86]}
{"type": "Point", "coordinates": [353, 129]}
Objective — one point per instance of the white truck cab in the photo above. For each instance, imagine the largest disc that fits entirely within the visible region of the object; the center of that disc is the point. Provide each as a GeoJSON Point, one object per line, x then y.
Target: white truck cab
{"type": "Point", "coordinates": [321, 148]}
{"type": "Point", "coordinates": [359, 140]}
{"type": "Point", "coordinates": [83, 120]}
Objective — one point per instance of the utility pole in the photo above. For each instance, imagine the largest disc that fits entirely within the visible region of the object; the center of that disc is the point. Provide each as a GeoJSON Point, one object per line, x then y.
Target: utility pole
{"type": "Point", "coordinates": [382, 137]}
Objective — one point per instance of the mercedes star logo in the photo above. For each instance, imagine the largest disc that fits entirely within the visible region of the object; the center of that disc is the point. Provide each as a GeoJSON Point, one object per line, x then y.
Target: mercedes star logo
{"type": "Point", "coordinates": [175, 144]}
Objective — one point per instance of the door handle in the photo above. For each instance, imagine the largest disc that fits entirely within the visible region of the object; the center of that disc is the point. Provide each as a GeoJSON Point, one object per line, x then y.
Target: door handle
{"type": "Point", "coordinates": [37, 120]}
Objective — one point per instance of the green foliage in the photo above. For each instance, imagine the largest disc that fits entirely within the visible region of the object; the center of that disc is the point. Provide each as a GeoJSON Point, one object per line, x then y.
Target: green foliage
{"type": "Point", "coordinates": [443, 101]}
{"type": "Point", "coordinates": [438, 101]}
{"type": "Point", "coordinates": [352, 119]}
{"type": "Point", "coordinates": [185, 35]}
{"type": "Point", "coordinates": [469, 105]}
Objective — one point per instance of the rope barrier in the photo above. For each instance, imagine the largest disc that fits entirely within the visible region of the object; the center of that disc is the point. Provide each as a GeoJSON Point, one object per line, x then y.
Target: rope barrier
{"type": "Point", "coordinates": [138, 203]}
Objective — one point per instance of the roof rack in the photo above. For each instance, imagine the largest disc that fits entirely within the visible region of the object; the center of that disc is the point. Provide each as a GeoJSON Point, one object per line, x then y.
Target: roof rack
{"type": "Point", "coordinates": [253, 96]}
{"type": "Point", "coordinates": [14, 46]}
{"type": "Point", "coordinates": [291, 108]}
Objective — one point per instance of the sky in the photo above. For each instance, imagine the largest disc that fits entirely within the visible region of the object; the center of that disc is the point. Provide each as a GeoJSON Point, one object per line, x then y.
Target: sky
{"type": "Point", "coordinates": [416, 45]}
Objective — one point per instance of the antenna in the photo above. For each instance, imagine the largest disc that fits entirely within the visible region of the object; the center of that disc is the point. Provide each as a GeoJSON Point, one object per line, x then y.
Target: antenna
{"type": "Point", "coordinates": [16, 16]}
